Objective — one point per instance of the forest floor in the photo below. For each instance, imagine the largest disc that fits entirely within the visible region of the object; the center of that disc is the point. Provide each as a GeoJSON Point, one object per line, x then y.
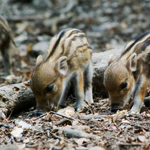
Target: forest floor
{"type": "Point", "coordinates": [107, 25]}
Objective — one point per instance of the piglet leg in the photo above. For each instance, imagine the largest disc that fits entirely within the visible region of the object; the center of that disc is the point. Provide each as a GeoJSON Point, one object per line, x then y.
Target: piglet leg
{"type": "Point", "coordinates": [66, 87]}
{"type": "Point", "coordinates": [139, 95]}
{"type": "Point", "coordinates": [6, 60]}
{"type": "Point", "coordinates": [79, 90]}
{"type": "Point", "coordinates": [88, 84]}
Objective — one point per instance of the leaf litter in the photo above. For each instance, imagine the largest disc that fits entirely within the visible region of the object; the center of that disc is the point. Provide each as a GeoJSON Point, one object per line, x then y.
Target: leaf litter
{"type": "Point", "coordinates": [107, 25]}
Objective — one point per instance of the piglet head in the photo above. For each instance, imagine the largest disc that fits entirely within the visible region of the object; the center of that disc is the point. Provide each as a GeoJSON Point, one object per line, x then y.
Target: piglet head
{"type": "Point", "coordinates": [47, 81]}
{"type": "Point", "coordinates": [119, 81]}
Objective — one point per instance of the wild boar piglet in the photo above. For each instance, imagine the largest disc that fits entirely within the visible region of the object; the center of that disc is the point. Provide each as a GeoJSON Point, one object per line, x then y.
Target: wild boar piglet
{"type": "Point", "coordinates": [68, 59]}
{"type": "Point", "coordinates": [129, 75]}
{"type": "Point", "coordinates": [6, 42]}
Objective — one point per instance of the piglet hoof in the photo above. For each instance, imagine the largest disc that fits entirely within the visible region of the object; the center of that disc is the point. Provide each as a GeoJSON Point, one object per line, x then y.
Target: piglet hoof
{"type": "Point", "coordinates": [134, 112]}
{"type": "Point", "coordinates": [78, 109]}
{"type": "Point", "coordinates": [81, 109]}
{"type": "Point", "coordinates": [136, 109]}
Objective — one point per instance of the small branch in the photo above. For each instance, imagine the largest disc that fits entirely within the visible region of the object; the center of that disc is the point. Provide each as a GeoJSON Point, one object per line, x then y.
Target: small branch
{"type": "Point", "coordinates": [57, 137]}
{"type": "Point", "coordinates": [90, 107]}
{"type": "Point", "coordinates": [63, 122]}
{"type": "Point", "coordinates": [131, 144]}
{"type": "Point", "coordinates": [31, 146]}
{"type": "Point", "coordinates": [41, 116]}
{"type": "Point", "coordinates": [52, 112]}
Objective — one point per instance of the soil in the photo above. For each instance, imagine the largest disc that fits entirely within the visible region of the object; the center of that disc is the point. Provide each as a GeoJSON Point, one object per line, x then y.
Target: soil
{"type": "Point", "coordinates": [107, 25]}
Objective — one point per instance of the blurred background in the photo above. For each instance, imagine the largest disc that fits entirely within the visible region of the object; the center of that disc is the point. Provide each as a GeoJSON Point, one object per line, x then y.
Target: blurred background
{"type": "Point", "coordinates": [107, 24]}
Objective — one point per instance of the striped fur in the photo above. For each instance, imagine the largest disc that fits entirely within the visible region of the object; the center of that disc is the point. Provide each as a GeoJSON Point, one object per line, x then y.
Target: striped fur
{"type": "Point", "coordinates": [68, 58]}
{"type": "Point", "coordinates": [5, 43]}
{"type": "Point", "coordinates": [133, 69]}
{"type": "Point", "coordinates": [66, 43]}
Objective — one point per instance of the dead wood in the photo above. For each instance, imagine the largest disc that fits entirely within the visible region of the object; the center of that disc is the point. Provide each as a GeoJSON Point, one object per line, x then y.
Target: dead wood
{"type": "Point", "coordinates": [76, 133]}
{"type": "Point", "coordinates": [100, 63]}
{"type": "Point", "coordinates": [130, 144]}
{"type": "Point", "coordinates": [52, 112]}
{"type": "Point", "coordinates": [16, 97]}
{"type": "Point", "coordinates": [63, 122]}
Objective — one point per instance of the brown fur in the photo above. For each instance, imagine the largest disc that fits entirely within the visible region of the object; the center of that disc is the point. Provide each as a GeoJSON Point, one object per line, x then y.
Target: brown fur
{"type": "Point", "coordinates": [68, 57]}
{"type": "Point", "coordinates": [133, 69]}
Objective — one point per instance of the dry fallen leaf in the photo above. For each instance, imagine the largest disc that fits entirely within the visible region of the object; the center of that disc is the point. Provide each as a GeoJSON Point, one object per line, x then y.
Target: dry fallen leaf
{"type": "Point", "coordinates": [141, 138]}
{"type": "Point", "coordinates": [17, 132]}
{"type": "Point", "coordinates": [68, 111]}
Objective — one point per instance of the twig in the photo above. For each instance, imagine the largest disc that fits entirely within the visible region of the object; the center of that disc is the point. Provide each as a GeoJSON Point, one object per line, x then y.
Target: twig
{"type": "Point", "coordinates": [89, 105]}
{"type": "Point", "coordinates": [10, 114]}
{"type": "Point", "coordinates": [57, 137]}
{"type": "Point", "coordinates": [52, 112]}
{"type": "Point", "coordinates": [131, 144]}
{"type": "Point", "coordinates": [40, 117]}
{"type": "Point", "coordinates": [31, 146]}
{"type": "Point", "coordinates": [64, 121]}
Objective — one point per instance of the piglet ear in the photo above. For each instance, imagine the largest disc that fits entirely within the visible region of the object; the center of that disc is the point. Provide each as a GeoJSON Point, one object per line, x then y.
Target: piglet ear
{"type": "Point", "coordinates": [62, 65]}
{"type": "Point", "coordinates": [111, 59]}
{"type": "Point", "coordinates": [39, 60]}
{"type": "Point", "coordinates": [133, 62]}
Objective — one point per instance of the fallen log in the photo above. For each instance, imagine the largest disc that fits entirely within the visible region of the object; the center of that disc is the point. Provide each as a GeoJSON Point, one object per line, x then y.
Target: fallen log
{"type": "Point", "coordinates": [100, 63]}
{"type": "Point", "coordinates": [16, 97]}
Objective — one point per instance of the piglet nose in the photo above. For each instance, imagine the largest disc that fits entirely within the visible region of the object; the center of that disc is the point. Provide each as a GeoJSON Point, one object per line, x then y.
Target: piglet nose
{"type": "Point", "coordinates": [114, 108]}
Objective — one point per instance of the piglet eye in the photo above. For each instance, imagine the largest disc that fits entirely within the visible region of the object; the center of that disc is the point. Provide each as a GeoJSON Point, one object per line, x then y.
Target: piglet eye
{"type": "Point", "coordinates": [123, 85]}
{"type": "Point", "coordinates": [49, 88]}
